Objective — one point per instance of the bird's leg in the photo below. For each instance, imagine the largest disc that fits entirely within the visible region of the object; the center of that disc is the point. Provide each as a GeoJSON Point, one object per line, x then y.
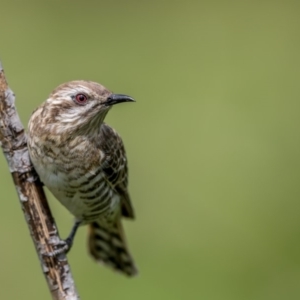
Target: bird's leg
{"type": "Point", "coordinates": [69, 240]}
{"type": "Point", "coordinates": [66, 245]}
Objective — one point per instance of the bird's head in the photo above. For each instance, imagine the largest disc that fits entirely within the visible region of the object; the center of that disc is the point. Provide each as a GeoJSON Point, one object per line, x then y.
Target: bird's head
{"type": "Point", "coordinates": [79, 105]}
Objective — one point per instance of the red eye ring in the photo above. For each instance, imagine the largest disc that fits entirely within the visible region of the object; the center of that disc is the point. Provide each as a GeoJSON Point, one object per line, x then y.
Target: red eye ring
{"type": "Point", "coordinates": [81, 99]}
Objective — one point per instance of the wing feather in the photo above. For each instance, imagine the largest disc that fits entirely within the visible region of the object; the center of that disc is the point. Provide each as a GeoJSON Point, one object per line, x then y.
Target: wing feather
{"type": "Point", "coordinates": [115, 167]}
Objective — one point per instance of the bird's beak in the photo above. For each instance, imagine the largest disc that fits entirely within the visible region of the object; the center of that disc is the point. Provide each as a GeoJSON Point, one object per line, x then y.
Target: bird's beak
{"type": "Point", "coordinates": [117, 98]}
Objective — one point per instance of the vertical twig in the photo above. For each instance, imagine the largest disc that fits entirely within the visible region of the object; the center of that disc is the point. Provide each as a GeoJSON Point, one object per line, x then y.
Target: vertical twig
{"type": "Point", "coordinates": [33, 201]}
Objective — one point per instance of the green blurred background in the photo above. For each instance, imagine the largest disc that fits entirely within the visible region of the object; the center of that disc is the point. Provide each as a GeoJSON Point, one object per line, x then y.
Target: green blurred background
{"type": "Point", "coordinates": [213, 141]}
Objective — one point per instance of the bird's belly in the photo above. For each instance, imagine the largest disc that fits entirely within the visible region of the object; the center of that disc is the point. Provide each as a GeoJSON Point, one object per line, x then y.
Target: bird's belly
{"type": "Point", "coordinates": [74, 204]}
{"type": "Point", "coordinates": [88, 197]}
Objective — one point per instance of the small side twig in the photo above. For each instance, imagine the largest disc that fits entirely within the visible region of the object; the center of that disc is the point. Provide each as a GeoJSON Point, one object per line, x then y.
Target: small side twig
{"type": "Point", "coordinates": [33, 201]}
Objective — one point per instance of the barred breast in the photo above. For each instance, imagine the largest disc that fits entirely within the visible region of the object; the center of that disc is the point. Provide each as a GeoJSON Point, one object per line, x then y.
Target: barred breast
{"type": "Point", "coordinates": [78, 182]}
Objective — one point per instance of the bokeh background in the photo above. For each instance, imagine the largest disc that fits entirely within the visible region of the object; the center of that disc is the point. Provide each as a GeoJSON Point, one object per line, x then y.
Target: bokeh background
{"type": "Point", "coordinates": [213, 141]}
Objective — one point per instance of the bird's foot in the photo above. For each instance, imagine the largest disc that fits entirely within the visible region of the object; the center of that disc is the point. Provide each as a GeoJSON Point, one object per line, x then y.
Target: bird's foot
{"type": "Point", "coordinates": [64, 246]}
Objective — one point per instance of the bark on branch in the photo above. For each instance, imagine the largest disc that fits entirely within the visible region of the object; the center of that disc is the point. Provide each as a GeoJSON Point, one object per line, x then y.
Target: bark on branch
{"type": "Point", "coordinates": [32, 198]}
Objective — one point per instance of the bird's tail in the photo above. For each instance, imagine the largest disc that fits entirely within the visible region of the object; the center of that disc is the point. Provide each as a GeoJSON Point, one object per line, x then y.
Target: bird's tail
{"type": "Point", "coordinates": [108, 245]}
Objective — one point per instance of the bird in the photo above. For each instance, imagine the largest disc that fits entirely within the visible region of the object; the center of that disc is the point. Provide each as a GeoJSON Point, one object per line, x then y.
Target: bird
{"type": "Point", "coordinates": [82, 161]}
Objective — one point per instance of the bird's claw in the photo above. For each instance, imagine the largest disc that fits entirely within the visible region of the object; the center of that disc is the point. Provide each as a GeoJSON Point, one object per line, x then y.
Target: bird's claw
{"type": "Point", "coordinates": [64, 246]}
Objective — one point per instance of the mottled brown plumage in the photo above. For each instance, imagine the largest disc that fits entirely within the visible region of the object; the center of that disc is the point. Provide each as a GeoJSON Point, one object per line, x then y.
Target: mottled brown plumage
{"type": "Point", "coordinates": [83, 163]}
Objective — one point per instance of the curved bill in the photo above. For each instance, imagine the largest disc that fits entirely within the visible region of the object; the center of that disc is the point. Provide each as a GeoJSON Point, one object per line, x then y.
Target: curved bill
{"type": "Point", "coordinates": [118, 98]}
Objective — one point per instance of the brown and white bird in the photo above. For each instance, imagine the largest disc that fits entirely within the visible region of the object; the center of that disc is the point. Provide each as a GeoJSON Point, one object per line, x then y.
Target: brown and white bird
{"type": "Point", "coordinates": [83, 163]}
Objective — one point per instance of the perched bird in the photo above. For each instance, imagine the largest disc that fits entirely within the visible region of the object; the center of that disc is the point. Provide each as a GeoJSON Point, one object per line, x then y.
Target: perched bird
{"type": "Point", "coordinates": [82, 161]}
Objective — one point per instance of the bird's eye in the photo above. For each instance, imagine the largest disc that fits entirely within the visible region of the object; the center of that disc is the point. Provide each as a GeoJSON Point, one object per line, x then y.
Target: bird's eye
{"type": "Point", "coordinates": [81, 99]}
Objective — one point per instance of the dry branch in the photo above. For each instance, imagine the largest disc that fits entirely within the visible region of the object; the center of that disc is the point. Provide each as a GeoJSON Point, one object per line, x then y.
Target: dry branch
{"type": "Point", "coordinates": [33, 201]}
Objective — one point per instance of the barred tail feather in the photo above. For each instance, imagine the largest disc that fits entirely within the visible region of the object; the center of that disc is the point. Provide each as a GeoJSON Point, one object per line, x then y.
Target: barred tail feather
{"type": "Point", "coordinates": [108, 245]}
